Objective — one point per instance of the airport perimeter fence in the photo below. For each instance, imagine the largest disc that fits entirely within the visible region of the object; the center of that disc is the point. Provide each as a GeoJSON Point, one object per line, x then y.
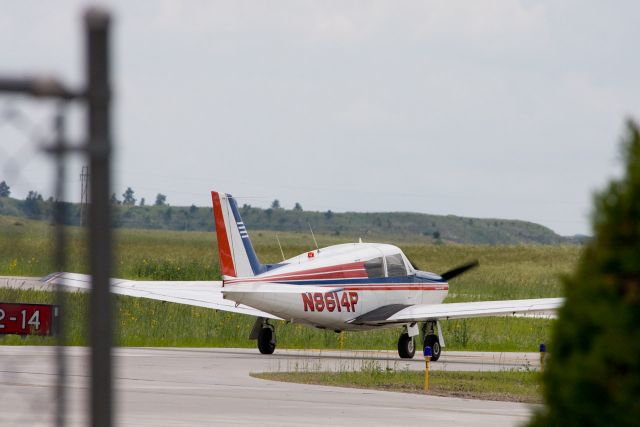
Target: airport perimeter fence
{"type": "Point", "coordinates": [25, 140]}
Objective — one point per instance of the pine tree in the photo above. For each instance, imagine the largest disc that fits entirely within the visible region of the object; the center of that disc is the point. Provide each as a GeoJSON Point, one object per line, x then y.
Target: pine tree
{"type": "Point", "coordinates": [161, 200]}
{"type": "Point", "coordinates": [5, 190]}
{"type": "Point", "coordinates": [127, 197]}
{"type": "Point", "coordinates": [593, 374]}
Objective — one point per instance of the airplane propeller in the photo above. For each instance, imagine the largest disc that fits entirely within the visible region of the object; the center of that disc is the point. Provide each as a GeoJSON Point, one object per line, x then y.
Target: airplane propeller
{"type": "Point", "coordinates": [459, 270]}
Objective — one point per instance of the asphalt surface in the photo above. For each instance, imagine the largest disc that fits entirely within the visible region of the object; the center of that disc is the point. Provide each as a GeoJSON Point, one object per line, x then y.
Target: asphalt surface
{"type": "Point", "coordinates": [176, 387]}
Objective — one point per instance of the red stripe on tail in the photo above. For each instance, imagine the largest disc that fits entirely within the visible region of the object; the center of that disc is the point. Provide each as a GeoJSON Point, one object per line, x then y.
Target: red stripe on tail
{"type": "Point", "coordinates": [226, 257]}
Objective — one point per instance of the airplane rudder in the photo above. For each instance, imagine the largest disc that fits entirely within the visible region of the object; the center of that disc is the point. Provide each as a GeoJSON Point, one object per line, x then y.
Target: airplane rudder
{"type": "Point", "coordinates": [225, 252]}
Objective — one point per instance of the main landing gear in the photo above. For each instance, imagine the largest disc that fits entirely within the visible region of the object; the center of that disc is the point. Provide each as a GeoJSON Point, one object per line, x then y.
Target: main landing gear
{"type": "Point", "coordinates": [265, 334]}
{"type": "Point", "coordinates": [429, 333]}
{"type": "Point", "coordinates": [430, 337]}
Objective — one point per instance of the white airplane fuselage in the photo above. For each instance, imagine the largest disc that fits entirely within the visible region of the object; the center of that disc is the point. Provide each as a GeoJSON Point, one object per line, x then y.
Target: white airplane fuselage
{"type": "Point", "coordinates": [339, 283]}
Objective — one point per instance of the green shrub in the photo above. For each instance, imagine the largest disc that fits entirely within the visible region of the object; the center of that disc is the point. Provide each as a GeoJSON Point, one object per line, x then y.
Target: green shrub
{"type": "Point", "coordinates": [593, 375]}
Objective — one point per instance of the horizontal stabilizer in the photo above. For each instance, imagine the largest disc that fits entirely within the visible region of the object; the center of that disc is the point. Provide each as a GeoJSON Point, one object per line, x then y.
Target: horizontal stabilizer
{"type": "Point", "coordinates": [205, 294]}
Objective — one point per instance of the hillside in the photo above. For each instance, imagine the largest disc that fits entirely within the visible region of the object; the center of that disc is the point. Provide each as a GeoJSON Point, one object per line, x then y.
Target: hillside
{"type": "Point", "coordinates": [430, 228]}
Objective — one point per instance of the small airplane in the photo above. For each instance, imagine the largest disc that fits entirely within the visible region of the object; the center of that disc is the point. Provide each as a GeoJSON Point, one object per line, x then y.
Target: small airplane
{"type": "Point", "coordinates": [344, 287]}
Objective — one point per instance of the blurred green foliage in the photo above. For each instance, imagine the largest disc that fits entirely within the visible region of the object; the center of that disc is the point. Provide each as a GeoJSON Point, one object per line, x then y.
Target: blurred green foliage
{"type": "Point", "coordinates": [593, 375]}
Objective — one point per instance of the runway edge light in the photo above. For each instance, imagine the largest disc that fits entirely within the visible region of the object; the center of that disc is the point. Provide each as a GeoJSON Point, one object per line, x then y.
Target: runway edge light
{"type": "Point", "coordinates": [427, 358]}
{"type": "Point", "coordinates": [427, 350]}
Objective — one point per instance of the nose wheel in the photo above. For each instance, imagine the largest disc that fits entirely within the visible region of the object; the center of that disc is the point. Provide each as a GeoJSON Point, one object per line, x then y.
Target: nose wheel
{"type": "Point", "coordinates": [406, 346]}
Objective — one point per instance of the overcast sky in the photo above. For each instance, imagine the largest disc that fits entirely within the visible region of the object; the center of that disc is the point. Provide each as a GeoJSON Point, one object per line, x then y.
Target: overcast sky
{"type": "Point", "coordinates": [508, 109]}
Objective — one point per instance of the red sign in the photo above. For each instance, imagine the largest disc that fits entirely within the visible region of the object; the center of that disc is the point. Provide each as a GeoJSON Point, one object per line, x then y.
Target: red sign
{"type": "Point", "coordinates": [28, 319]}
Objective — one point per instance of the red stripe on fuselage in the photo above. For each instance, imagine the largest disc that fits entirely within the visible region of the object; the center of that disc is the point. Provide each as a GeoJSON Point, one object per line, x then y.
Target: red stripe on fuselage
{"type": "Point", "coordinates": [344, 271]}
{"type": "Point", "coordinates": [226, 257]}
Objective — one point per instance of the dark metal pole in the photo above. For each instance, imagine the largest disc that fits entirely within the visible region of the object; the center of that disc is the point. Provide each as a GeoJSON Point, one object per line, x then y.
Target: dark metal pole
{"type": "Point", "coordinates": [100, 308]}
{"type": "Point", "coordinates": [60, 261]}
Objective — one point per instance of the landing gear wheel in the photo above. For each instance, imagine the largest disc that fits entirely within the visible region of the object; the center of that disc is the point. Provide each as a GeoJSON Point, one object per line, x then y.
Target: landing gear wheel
{"type": "Point", "coordinates": [267, 341]}
{"type": "Point", "coordinates": [406, 346]}
{"type": "Point", "coordinates": [433, 342]}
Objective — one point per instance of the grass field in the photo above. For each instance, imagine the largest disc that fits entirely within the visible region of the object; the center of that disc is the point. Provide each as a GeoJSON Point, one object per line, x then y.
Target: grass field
{"type": "Point", "coordinates": [517, 386]}
{"type": "Point", "coordinates": [506, 272]}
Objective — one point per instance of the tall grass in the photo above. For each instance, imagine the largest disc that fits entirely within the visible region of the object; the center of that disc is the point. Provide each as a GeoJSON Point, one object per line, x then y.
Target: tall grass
{"type": "Point", "coordinates": [506, 272]}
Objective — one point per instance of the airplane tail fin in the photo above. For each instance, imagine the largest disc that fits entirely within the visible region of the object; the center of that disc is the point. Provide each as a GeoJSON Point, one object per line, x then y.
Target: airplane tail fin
{"type": "Point", "coordinates": [237, 257]}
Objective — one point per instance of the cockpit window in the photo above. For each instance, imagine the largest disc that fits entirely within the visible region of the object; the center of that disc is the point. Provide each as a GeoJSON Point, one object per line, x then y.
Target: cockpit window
{"type": "Point", "coordinates": [374, 267]}
{"type": "Point", "coordinates": [395, 265]}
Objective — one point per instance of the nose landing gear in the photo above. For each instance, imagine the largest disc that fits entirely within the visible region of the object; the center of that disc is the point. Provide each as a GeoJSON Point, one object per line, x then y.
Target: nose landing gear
{"type": "Point", "coordinates": [407, 341]}
{"type": "Point", "coordinates": [406, 346]}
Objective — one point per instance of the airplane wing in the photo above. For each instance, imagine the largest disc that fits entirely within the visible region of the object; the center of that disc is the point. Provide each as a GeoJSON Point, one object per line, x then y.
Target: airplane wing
{"type": "Point", "coordinates": [400, 313]}
{"type": "Point", "coordinates": [196, 293]}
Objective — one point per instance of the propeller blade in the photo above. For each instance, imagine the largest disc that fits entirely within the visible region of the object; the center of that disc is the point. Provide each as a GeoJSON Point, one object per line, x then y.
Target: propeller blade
{"type": "Point", "coordinates": [459, 270]}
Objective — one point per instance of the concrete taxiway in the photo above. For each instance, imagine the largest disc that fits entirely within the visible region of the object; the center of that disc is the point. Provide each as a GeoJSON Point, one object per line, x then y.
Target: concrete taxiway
{"type": "Point", "coordinates": [176, 386]}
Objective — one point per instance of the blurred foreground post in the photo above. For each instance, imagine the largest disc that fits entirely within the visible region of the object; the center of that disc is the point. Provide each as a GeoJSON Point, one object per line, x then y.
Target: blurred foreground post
{"type": "Point", "coordinates": [99, 151]}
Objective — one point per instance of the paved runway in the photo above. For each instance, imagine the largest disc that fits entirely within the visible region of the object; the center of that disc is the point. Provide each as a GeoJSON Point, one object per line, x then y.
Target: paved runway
{"type": "Point", "coordinates": [174, 386]}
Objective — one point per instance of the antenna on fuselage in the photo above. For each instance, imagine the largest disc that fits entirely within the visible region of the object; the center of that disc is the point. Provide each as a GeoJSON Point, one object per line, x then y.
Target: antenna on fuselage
{"type": "Point", "coordinates": [279, 245]}
{"type": "Point", "coordinates": [314, 237]}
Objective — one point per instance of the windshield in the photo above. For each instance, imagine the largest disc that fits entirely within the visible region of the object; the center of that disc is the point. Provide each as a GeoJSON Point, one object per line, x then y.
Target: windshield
{"type": "Point", "coordinates": [395, 265]}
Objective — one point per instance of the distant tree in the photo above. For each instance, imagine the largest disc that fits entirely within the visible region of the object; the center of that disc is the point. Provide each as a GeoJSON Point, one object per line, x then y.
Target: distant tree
{"type": "Point", "coordinates": [268, 212]}
{"type": "Point", "coordinates": [127, 197]}
{"type": "Point", "coordinates": [32, 204]}
{"type": "Point", "coordinates": [142, 201]}
{"type": "Point", "coordinates": [114, 200]}
{"type": "Point", "coordinates": [34, 196]}
{"type": "Point", "coordinates": [275, 204]}
{"type": "Point", "coordinates": [193, 209]}
{"type": "Point", "coordinates": [161, 200]}
{"type": "Point", "coordinates": [436, 234]}
{"type": "Point", "coordinates": [328, 214]}
{"type": "Point", "coordinates": [168, 214]}
{"type": "Point", "coordinates": [297, 207]}
{"type": "Point", "coordinates": [593, 374]}
{"type": "Point", "coordinates": [5, 190]}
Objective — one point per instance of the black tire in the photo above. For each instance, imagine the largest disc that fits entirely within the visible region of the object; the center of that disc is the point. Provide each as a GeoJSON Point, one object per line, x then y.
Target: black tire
{"type": "Point", "coordinates": [436, 350]}
{"type": "Point", "coordinates": [266, 341]}
{"type": "Point", "coordinates": [406, 346]}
